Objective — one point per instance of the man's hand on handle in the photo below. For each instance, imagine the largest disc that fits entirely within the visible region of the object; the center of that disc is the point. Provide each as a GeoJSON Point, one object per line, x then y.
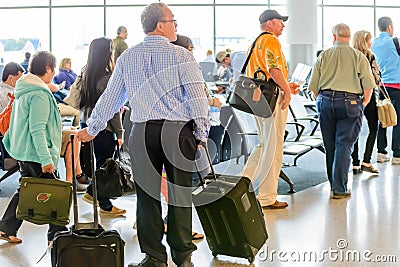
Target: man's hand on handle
{"type": "Point", "coordinates": [83, 136]}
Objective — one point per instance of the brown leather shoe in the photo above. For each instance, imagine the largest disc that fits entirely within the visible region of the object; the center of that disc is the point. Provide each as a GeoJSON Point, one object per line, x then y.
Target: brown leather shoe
{"type": "Point", "coordinates": [341, 196]}
{"type": "Point", "coordinates": [276, 205]}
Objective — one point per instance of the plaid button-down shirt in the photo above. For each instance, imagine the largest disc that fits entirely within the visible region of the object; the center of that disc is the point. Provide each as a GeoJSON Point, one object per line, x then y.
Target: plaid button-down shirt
{"type": "Point", "coordinates": [161, 81]}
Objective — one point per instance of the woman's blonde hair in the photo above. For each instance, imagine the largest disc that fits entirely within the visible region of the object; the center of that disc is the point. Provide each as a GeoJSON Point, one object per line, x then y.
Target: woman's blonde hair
{"type": "Point", "coordinates": [64, 62]}
{"type": "Point", "coordinates": [360, 42]}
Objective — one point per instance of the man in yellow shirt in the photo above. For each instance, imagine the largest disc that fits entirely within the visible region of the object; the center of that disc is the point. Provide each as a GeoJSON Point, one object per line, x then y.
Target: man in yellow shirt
{"type": "Point", "coordinates": [265, 162]}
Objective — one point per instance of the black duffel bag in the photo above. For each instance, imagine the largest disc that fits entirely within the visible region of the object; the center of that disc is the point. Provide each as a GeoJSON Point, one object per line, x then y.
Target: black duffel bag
{"type": "Point", "coordinates": [254, 96]}
{"type": "Point", "coordinates": [114, 178]}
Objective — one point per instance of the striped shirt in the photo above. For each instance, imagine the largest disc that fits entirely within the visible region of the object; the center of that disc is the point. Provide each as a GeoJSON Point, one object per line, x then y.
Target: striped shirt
{"type": "Point", "coordinates": [161, 81]}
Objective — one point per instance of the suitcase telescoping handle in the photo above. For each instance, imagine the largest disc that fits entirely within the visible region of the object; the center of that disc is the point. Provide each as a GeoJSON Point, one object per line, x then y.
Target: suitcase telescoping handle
{"type": "Point", "coordinates": [117, 154]}
{"type": "Point", "coordinates": [74, 181]}
{"type": "Point", "coordinates": [202, 181]}
{"type": "Point", "coordinates": [94, 186]}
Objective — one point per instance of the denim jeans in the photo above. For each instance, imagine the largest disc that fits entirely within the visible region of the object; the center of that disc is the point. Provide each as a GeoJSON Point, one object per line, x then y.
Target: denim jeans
{"type": "Point", "coordinates": [340, 117]}
{"type": "Point", "coordinates": [394, 95]}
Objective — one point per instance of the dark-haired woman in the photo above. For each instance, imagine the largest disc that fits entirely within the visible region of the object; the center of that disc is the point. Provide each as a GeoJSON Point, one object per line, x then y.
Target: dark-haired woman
{"type": "Point", "coordinates": [95, 76]}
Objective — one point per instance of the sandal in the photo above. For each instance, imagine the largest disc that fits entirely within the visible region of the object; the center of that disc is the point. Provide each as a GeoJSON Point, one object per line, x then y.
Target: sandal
{"type": "Point", "coordinates": [370, 169]}
{"type": "Point", "coordinates": [10, 239]}
{"type": "Point", "coordinates": [197, 236]}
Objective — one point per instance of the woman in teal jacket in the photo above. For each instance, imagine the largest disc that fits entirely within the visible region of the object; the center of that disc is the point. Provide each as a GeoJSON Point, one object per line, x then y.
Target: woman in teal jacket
{"type": "Point", "coordinates": [34, 136]}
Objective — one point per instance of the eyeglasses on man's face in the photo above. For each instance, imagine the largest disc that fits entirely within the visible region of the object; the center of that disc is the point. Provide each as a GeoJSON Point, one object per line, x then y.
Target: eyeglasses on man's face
{"type": "Point", "coordinates": [171, 20]}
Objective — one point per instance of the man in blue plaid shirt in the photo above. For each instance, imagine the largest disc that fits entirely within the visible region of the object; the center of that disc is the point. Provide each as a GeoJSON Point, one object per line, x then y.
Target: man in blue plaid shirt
{"type": "Point", "coordinates": [165, 89]}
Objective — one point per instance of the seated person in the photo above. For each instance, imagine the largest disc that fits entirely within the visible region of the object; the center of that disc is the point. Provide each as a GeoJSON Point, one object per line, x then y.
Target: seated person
{"type": "Point", "coordinates": [224, 72]}
{"type": "Point", "coordinates": [25, 63]}
{"type": "Point", "coordinates": [11, 73]}
{"type": "Point", "coordinates": [65, 73]}
{"type": "Point", "coordinates": [65, 109]}
{"type": "Point", "coordinates": [66, 153]}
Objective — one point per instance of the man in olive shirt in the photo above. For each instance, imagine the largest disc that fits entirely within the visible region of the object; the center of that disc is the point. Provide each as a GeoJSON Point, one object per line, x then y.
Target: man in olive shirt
{"type": "Point", "coordinates": [342, 81]}
{"type": "Point", "coordinates": [119, 42]}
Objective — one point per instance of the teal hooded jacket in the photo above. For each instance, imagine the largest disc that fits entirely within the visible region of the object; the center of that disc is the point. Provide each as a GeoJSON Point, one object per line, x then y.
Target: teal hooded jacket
{"type": "Point", "coordinates": [35, 125]}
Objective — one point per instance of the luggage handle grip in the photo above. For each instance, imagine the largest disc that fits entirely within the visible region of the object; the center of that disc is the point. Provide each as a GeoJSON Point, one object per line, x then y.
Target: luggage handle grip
{"type": "Point", "coordinates": [202, 181]}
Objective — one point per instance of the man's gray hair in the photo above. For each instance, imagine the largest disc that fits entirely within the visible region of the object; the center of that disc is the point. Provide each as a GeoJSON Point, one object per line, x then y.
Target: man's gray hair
{"type": "Point", "coordinates": [341, 30]}
{"type": "Point", "coordinates": [383, 23]}
{"type": "Point", "coordinates": [152, 14]}
{"type": "Point", "coordinates": [120, 29]}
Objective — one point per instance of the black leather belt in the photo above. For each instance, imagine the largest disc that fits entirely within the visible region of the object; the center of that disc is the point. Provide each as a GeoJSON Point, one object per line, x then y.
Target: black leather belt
{"type": "Point", "coordinates": [162, 122]}
{"type": "Point", "coordinates": [333, 92]}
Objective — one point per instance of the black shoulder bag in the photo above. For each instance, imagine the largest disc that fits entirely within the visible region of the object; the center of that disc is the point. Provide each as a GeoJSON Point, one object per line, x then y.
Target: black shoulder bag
{"type": "Point", "coordinates": [253, 95]}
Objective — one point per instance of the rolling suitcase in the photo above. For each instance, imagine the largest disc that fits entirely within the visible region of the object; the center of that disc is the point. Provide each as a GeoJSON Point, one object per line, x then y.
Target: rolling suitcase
{"type": "Point", "coordinates": [230, 215]}
{"type": "Point", "coordinates": [87, 244]}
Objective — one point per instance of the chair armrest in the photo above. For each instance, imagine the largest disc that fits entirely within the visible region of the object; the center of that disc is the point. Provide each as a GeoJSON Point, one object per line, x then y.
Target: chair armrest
{"type": "Point", "coordinates": [299, 132]}
{"type": "Point", "coordinates": [247, 133]}
{"type": "Point", "coordinates": [309, 119]}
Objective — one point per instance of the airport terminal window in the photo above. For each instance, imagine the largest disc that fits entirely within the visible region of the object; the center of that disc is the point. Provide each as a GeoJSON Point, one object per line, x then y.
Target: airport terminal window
{"type": "Point", "coordinates": [172, 2]}
{"type": "Point", "coordinates": [128, 17]}
{"type": "Point", "coordinates": [195, 19]}
{"type": "Point", "coordinates": [347, 2]}
{"type": "Point", "coordinates": [76, 2]}
{"type": "Point", "coordinates": [387, 3]}
{"type": "Point", "coordinates": [241, 1]}
{"type": "Point", "coordinates": [129, 2]}
{"type": "Point", "coordinates": [23, 30]}
{"type": "Point", "coordinates": [279, 2]}
{"type": "Point", "coordinates": [335, 15]}
{"type": "Point", "coordinates": [72, 33]}
{"type": "Point", "coordinates": [21, 3]}
{"type": "Point", "coordinates": [236, 34]}
{"type": "Point", "coordinates": [198, 26]}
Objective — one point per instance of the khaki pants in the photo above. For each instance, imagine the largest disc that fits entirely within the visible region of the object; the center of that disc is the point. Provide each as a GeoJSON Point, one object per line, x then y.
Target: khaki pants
{"type": "Point", "coordinates": [66, 110]}
{"type": "Point", "coordinates": [265, 161]}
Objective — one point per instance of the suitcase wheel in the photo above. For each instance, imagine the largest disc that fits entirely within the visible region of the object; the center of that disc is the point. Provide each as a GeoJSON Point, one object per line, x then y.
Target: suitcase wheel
{"type": "Point", "coordinates": [215, 254]}
{"type": "Point", "coordinates": [250, 259]}
{"type": "Point", "coordinates": [250, 254]}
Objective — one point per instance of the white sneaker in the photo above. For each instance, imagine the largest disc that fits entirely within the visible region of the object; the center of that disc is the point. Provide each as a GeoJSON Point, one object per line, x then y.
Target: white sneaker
{"type": "Point", "coordinates": [395, 161]}
{"type": "Point", "coordinates": [382, 157]}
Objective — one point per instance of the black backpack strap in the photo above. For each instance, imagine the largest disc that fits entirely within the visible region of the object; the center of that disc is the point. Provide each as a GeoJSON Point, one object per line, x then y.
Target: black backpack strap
{"type": "Point", "coordinates": [251, 51]}
{"type": "Point", "coordinates": [396, 44]}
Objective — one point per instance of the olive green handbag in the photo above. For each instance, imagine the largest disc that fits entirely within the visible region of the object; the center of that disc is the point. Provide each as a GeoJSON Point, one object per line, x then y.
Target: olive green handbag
{"type": "Point", "coordinates": [44, 201]}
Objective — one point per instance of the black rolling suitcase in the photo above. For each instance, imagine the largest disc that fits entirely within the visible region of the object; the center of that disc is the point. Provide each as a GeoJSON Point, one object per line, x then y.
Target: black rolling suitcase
{"type": "Point", "coordinates": [87, 244]}
{"type": "Point", "coordinates": [230, 215]}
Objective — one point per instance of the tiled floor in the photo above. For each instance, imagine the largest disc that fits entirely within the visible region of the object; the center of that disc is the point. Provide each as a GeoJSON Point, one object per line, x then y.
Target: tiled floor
{"type": "Point", "coordinates": [354, 232]}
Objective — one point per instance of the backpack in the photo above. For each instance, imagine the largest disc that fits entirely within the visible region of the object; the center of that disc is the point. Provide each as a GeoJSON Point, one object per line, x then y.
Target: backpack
{"type": "Point", "coordinates": [5, 116]}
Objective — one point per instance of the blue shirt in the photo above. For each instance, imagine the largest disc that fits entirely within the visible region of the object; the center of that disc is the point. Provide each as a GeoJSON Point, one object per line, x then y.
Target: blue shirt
{"type": "Point", "coordinates": [161, 81]}
{"type": "Point", "coordinates": [387, 58]}
{"type": "Point", "coordinates": [65, 75]}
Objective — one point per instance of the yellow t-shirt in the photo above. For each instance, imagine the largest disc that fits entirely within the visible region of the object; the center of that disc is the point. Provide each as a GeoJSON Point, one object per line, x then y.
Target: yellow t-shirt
{"type": "Point", "coordinates": [267, 54]}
